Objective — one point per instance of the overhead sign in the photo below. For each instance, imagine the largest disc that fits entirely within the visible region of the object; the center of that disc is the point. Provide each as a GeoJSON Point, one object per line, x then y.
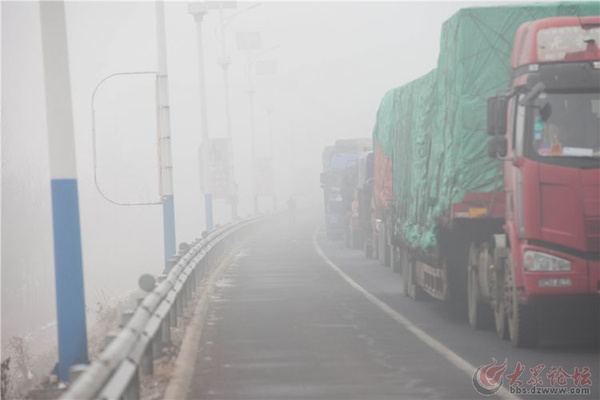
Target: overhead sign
{"type": "Point", "coordinates": [216, 164]}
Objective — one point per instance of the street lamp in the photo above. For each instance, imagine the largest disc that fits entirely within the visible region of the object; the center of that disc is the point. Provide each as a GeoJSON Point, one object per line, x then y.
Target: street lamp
{"type": "Point", "coordinates": [224, 60]}
{"type": "Point", "coordinates": [249, 41]}
{"type": "Point", "coordinates": [198, 10]}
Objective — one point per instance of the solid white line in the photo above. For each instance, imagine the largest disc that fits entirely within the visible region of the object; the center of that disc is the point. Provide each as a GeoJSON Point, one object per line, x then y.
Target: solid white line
{"type": "Point", "coordinates": [448, 354]}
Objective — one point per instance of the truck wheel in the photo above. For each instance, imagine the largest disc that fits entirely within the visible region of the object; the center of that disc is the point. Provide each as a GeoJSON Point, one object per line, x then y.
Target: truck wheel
{"type": "Point", "coordinates": [405, 271]}
{"type": "Point", "coordinates": [522, 321]}
{"type": "Point", "coordinates": [387, 254]}
{"type": "Point", "coordinates": [415, 291]}
{"type": "Point", "coordinates": [381, 248]}
{"type": "Point", "coordinates": [500, 322]}
{"type": "Point", "coordinates": [394, 260]}
{"type": "Point", "coordinates": [479, 313]}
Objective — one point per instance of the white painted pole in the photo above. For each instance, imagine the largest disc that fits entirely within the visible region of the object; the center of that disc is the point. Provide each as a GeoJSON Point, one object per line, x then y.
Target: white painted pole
{"type": "Point", "coordinates": [164, 127]}
{"type": "Point", "coordinates": [198, 10]}
{"type": "Point", "coordinates": [224, 61]}
{"type": "Point", "coordinates": [68, 264]}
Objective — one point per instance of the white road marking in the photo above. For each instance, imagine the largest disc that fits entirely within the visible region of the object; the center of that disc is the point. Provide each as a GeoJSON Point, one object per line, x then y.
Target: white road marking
{"type": "Point", "coordinates": [444, 351]}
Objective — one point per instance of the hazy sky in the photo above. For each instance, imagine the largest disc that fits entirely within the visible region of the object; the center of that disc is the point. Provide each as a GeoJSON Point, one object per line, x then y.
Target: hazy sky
{"type": "Point", "coordinates": [334, 63]}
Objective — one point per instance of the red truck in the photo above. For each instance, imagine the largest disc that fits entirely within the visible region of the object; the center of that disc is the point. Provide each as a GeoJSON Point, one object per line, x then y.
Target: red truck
{"type": "Point", "coordinates": [546, 130]}
{"type": "Point", "coordinates": [513, 235]}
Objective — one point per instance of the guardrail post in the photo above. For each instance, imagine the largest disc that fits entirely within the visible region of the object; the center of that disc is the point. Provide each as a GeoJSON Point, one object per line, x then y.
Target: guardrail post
{"type": "Point", "coordinates": [165, 328]}
{"type": "Point", "coordinates": [192, 281]}
{"type": "Point", "coordinates": [184, 294]}
{"type": "Point", "coordinates": [133, 389]}
{"type": "Point", "coordinates": [198, 274]}
{"type": "Point", "coordinates": [147, 361]}
{"type": "Point", "coordinates": [158, 343]}
{"type": "Point", "coordinates": [200, 267]}
{"type": "Point", "coordinates": [190, 285]}
{"type": "Point", "coordinates": [173, 314]}
{"type": "Point", "coordinates": [179, 305]}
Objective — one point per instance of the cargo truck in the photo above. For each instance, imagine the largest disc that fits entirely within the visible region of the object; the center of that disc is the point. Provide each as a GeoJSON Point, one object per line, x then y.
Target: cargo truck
{"type": "Point", "coordinates": [336, 159]}
{"type": "Point", "coordinates": [364, 196]}
{"type": "Point", "coordinates": [356, 196]}
{"type": "Point", "coordinates": [381, 213]}
{"type": "Point", "coordinates": [510, 228]}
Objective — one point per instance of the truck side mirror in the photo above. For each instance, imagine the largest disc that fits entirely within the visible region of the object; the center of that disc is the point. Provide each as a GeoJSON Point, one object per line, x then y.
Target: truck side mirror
{"type": "Point", "coordinates": [496, 115]}
{"type": "Point", "coordinates": [497, 147]}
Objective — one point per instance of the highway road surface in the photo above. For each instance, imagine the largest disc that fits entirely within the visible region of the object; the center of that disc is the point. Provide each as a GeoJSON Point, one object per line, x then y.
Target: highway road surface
{"type": "Point", "coordinates": [297, 316]}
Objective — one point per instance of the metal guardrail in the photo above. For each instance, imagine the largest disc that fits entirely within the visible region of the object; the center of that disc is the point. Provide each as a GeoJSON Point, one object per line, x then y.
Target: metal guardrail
{"type": "Point", "coordinates": [115, 374]}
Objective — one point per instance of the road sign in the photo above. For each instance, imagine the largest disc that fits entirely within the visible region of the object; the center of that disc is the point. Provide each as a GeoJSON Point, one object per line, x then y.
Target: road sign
{"type": "Point", "coordinates": [216, 164]}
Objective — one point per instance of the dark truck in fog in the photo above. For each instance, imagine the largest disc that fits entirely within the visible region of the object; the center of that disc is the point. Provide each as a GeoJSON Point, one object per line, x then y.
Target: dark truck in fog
{"type": "Point", "coordinates": [336, 160]}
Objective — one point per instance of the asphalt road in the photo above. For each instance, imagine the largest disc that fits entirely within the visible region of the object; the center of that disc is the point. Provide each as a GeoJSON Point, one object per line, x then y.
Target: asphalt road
{"type": "Point", "coordinates": [286, 324]}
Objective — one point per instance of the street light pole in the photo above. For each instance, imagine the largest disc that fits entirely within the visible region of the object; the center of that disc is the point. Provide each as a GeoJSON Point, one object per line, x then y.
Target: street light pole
{"type": "Point", "coordinates": [270, 114]}
{"type": "Point", "coordinates": [198, 10]}
{"type": "Point", "coordinates": [251, 91]}
{"type": "Point", "coordinates": [164, 126]}
{"type": "Point", "coordinates": [68, 260]}
{"type": "Point", "coordinates": [224, 62]}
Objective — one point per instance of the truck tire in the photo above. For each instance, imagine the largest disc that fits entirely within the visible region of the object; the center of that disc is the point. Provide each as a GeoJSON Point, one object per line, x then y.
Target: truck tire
{"type": "Point", "coordinates": [405, 270]}
{"type": "Point", "coordinates": [387, 256]}
{"type": "Point", "coordinates": [395, 260]}
{"type": "Point", "coordinates": [522, 320]}
{"type": "Point", "coordinates": [499, 305]}
{"type": "Point", "coordinates": [381, 246]}
{"type": "Point", "coordinates": [415, 291]}
{"type": "Point", "coordinates": [478, 311]}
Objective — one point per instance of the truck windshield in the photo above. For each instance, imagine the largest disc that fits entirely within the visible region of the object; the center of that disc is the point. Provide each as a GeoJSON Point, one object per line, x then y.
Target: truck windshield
{"type": "Point", "coordinates": [341, 160]}
{"type": "Point", "coordinates": [567, 125]}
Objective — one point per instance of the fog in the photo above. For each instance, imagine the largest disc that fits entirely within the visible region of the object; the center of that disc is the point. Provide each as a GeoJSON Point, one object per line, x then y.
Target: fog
{"type": "Point", "coordinates": [334, 62]}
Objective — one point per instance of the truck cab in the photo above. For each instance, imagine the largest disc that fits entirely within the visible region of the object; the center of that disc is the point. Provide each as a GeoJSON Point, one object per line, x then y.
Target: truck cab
{"type": "Point", "coordinates": [546, 129]}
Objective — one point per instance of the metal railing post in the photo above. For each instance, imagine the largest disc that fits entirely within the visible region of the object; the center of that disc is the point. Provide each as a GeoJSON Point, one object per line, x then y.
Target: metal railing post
{"type": "Point", "coordinates": [147, 361]}
{"type": "Point", "coordinates": [133, 389]}
{"type": "Point", "coordinates": [166, 329]}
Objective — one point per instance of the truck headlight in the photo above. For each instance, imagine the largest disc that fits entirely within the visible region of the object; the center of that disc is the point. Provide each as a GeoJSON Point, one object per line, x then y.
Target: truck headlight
{"type": "Point", "coordinates": [536, 261]}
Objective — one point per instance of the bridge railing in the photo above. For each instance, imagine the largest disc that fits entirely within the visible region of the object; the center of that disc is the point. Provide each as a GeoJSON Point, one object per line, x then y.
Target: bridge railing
{"type": "Point", "coordinates": [130, 352]}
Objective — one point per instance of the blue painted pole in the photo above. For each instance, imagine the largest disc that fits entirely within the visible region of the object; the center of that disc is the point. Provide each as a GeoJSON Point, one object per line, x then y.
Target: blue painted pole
{"type": "Point", "coordinates": [68, 265]}
{"type": "Point", "coordinates": [208, 208]}
{"type": "Point", "coordinates": [169, 226]}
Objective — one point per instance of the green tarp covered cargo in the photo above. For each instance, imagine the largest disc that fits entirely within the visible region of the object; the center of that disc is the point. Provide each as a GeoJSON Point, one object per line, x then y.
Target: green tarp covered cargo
{"type": "Point", "coordinates": [434, 129]}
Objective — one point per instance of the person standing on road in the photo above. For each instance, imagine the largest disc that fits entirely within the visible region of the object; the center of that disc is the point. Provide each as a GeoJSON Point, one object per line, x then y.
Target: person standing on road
{"type": "Point", "coordinates": [291, 203]}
